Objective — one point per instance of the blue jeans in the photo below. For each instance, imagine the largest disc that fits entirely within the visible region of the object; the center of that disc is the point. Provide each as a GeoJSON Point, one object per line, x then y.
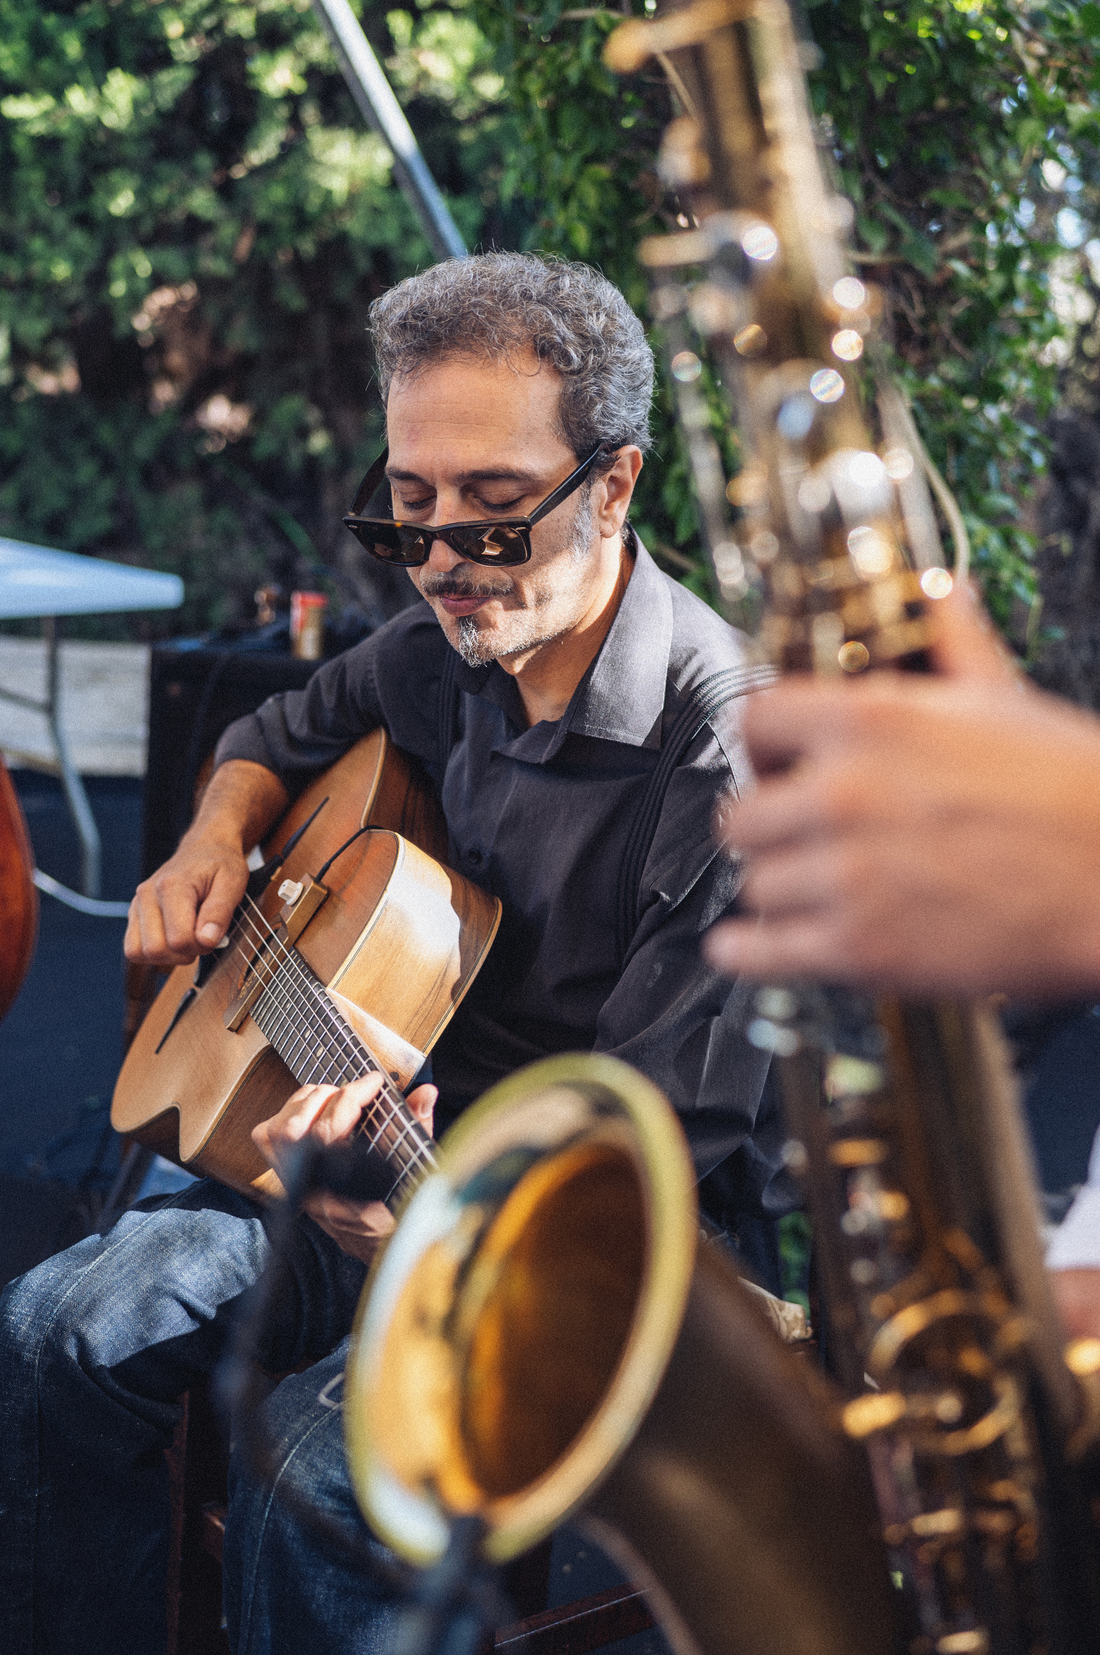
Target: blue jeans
{"type": "Point", "coordinates": [96, 1347]}
{"type": "Point", "coordinates": [285, 1589]}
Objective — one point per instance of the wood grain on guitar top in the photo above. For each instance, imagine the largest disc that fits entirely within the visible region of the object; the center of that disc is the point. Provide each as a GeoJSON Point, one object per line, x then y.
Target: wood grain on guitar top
{"type": "Point", "coordinates": [400, 936]}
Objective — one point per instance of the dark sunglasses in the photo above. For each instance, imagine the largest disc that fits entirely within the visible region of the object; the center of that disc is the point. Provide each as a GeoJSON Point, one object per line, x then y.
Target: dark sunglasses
{"type": "Point", "coordinates": [506, 540]}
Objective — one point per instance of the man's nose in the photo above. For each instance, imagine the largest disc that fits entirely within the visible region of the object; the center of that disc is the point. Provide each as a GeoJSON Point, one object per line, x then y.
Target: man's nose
{"type": "Point", "coordinates": [443, 558]}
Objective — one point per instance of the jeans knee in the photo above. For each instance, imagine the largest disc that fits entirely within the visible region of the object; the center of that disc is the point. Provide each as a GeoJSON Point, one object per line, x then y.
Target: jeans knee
{"type": "Point", "coordinates": [31, 1313]}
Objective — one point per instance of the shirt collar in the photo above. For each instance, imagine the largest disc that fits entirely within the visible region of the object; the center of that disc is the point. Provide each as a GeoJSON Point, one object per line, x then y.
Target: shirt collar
{"type": "Point", "coordinates": [622, 695]}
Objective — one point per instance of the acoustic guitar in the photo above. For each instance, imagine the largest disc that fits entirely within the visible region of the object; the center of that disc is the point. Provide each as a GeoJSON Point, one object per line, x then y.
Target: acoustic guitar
{"type": "Point", "coordinates": [18, 899]}
{"type": "Point", "coordinates": [351, 950]}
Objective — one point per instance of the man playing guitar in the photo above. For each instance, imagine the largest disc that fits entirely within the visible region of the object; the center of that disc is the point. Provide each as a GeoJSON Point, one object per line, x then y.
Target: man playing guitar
{"type": "Point", "coordinates": [577, 712]}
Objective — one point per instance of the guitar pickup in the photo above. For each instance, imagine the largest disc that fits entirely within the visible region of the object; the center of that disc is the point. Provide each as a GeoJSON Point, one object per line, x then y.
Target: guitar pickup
{"type": "Point", "coordinates": [301, 900]}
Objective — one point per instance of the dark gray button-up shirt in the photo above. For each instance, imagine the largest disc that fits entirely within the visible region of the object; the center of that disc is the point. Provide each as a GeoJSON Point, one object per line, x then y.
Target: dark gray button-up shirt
{"type": "Point", "coordinates": [540, 816]}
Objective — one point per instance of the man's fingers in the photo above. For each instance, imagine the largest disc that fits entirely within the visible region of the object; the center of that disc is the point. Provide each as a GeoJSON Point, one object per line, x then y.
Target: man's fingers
{"type": "Point", "coordinates": [342, 1217]}
{"type": "Point", "coordinates": [343, 1109]}
{"type": "Point", "coordinates": [161, 927]}
{"type": "Point", "coordinates": [216, 911]}
{"type": "Point", "coordinates": [966, 644]}
{"type": "Point", "coordinates": [338, 1111]}
{"type": "Point", "coordinates": [810, 803]}
{"type": "Point", "coordinates": [801, 947]}
{"type": "Point", "coordinates": [798, 881]}
{"type": "Point", "coordinates": [196, 888]}
{"type": "Point", "coordinates": [779, 722]}
{"type": "Point", "coordinates": [765, 818]}
{"type": "Point", "coordinates": [179, 902]}
{"type": "Point", "coordinates": [293, 1122]}
{"type": "Point", "coordinates": [422, 1104]}
{"type": "Point", "coordinates": [138, 944]}
{"type": "Point", "coordinates": [330, 1114]}
{"type": "Point", "coordinates": [806, 717]}
{"type": "Point", "coordinates": [767, 951]}
{"type": "Point", "coordinates": [145, 939]}
{"type": "Point", "coordinates": [131, 941]}
{"type": "Point", "coordinates": [1077, 1299]}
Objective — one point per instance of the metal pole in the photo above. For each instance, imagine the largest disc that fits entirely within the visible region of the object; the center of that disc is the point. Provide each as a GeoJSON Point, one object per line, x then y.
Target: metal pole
{"type": "Point", "coordinates": [380, 109]}
{"type": "Point", "coordinates": [80, 809]}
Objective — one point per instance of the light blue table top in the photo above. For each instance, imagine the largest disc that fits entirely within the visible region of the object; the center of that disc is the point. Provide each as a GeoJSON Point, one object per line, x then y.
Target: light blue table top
{"type": "Point", "coordinates": [37, 581]}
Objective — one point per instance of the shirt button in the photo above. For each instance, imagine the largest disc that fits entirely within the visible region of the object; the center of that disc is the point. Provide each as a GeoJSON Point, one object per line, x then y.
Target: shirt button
{"type": "Point", "coordinates": [474, 858]}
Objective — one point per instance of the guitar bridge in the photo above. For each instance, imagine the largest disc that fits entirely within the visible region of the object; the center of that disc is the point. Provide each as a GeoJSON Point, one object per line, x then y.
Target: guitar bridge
{"type": "Point", "coordinates": [301, 900]}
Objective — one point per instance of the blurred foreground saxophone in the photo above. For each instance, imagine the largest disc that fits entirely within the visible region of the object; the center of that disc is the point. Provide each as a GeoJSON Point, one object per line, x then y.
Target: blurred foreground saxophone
{"type": "Point", "coordinates": [903, 1116]}
{"type": "Point", "coordinates": [546, 1332]}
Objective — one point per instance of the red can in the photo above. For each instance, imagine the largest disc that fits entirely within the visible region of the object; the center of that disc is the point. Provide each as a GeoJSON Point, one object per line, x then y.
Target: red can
{"type": "Point", "coordinates": [307, 625]}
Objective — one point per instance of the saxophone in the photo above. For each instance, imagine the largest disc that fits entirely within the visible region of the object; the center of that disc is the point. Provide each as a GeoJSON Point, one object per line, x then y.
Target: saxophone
{"type": "Point", "coordinates": [547, 1333]}
{"type": "Point", "coordinates": [902, 1115]}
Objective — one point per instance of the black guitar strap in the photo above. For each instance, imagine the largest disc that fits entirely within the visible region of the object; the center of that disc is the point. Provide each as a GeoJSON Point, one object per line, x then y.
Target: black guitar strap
{"type": "Point", "coordinates": [700, 707]}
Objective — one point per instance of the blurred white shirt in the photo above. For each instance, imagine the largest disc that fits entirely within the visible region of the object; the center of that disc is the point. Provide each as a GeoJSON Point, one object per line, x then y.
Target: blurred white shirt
{"type": "Point", "coordinates": [1075, 1244]}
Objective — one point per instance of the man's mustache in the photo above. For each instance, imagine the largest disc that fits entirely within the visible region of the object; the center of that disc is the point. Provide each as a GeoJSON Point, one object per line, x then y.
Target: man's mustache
{"type": "Point", "coordinates": [445, 586]}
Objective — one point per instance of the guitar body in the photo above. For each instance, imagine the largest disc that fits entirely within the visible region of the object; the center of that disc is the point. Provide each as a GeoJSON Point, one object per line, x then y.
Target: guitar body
{"type": "Point", "coordinates": [18, 900]}
{"type": "Point", "coordinates": [397, 942]}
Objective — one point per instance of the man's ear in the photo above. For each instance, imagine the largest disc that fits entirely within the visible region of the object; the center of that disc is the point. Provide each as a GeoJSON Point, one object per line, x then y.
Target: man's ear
{"type": "Point", "coordinates": [613, 489]}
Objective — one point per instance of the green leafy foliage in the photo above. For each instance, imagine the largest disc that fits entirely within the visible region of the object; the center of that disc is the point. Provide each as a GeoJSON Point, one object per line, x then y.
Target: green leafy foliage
{"type": "Point", "coordinates": [939, 115]}
{"type": "Point", "coordinates": [942, 114]}
{"type": "Point", "coordinates": [585, 163]}
{"type": "Point", "coordinates": [193, 222]}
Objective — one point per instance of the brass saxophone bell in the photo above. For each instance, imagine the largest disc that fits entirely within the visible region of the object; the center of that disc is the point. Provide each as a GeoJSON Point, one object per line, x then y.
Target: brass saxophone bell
{"type": "Point", "coordinates": [544, 1335]}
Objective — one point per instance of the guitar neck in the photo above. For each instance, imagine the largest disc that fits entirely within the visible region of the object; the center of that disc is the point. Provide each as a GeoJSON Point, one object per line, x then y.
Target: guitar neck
{"type": "Point", "coordinates": [320, 1048]}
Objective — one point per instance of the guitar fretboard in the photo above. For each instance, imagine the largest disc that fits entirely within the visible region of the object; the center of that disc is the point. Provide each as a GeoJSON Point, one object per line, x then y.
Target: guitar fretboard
{"type": "Point", "coordinates": [320, 1048]}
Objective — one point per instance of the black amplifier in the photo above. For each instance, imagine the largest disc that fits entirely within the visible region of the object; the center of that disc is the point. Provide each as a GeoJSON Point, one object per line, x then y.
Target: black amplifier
{"type": "Point", "coordinates": [194, 694]}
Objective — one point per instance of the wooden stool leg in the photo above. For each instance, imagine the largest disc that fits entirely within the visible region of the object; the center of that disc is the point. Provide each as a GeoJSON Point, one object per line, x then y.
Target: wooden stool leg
{"type": "Point", "coordinates": [196, 1477]}
{"type": "Point", "coordinates": [177, 1459]}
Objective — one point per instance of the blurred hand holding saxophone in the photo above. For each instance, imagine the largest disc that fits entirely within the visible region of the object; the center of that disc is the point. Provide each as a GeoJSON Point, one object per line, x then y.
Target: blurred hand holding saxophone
{"type": "Point", "coordinates": [545, 1333]}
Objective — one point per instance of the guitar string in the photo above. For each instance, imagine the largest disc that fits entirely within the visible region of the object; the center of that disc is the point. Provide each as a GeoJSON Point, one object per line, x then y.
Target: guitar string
{"type": "Point", "coordinates": [395, 1133]}
{"type": "Point", "coordinates": [303, 1020]}
{"type": "Point", "coordinates": [290, 980]}
{"type": "Point", "coordinates": [314, 1051]}
{"type": "Point", "coordinates": [311, 998]}
{"type": "Point", "coordinates": [294, 983]}
{"type": "Point", "coordinates": [265, 968]}
{"type": "Point", "coordinates": [280, 990]}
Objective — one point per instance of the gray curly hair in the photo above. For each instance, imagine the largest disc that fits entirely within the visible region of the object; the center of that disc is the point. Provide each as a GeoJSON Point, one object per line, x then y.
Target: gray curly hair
{"type": "Point", "coordinates": [495, 303]}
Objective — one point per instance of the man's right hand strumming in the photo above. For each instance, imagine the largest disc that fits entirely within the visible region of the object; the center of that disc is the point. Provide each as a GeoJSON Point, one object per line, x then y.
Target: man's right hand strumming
{"type": "Point", "coordinates": [184, 909]}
